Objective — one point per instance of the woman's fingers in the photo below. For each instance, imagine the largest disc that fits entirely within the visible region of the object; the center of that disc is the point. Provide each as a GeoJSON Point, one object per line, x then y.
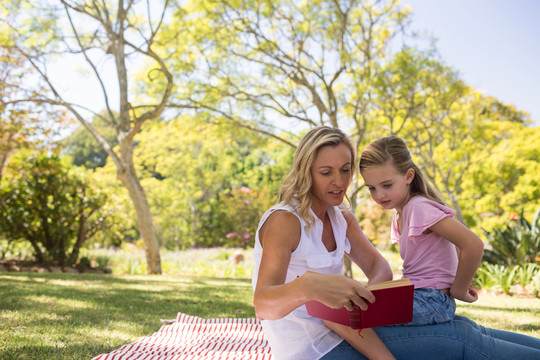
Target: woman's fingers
{"type": "Point", "coordinates": [349, 305]}
{"type": "Point", "coordinates": [363, 298]}
{"type": "Point", "coordinates": [338, 291]}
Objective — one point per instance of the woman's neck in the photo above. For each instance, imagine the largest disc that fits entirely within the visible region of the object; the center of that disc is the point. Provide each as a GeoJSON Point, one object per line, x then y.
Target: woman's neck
{"type": "Point", "coordinates": [320, 212]}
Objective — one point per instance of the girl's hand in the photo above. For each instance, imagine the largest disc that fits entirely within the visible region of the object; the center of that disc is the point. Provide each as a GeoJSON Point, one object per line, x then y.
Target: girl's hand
{"type": "Point", "coordinates": [337, 291]}
{"type": "Point", "coordinates": [470, 296]}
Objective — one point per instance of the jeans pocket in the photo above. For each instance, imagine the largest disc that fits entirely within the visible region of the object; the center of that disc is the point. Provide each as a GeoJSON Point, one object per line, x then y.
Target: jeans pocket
{"type": "Point", "coordinates": [432, 306]}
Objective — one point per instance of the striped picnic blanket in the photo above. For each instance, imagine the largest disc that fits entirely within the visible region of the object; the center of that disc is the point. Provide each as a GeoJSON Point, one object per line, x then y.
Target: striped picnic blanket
{"type": "Point", "coordinates": [194, 338]}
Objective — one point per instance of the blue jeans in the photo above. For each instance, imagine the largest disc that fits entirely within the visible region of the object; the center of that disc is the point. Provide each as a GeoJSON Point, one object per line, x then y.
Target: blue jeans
{"type": "Point", "coordinates": [432, 306]}
{"type": "Point", "coordinates": [460, 338]}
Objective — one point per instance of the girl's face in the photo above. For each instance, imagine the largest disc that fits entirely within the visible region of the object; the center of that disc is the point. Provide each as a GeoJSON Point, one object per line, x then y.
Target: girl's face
{"type": "Point", "coordinates": [331, 176]}
{"type": "Point", "coordinates": [388, 187]}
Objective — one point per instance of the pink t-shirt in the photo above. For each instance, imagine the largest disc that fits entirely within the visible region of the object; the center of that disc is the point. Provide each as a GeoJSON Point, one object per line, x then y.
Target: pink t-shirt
{"type": "Point", "coordinates": [429, 260]}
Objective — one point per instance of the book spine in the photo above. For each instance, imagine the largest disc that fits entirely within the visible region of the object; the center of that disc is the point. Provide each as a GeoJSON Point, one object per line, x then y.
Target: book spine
{"type": "Point", "coordinates": [355, 318]}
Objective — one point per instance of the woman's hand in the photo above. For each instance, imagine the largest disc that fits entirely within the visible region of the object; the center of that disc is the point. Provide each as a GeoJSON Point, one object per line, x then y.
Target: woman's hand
{"type": "Point", "coordinates": [337, 291]}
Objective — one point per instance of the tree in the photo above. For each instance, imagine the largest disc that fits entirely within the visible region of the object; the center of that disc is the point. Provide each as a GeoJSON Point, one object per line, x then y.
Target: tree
{"type": "Point", "coordinates": [505, 181]}
{"type": "Point", "coordinates": [290, 65]}
{"type": "Point", "coordinates": [303, 64]}
{"type": "Point", "coordinates": [21, 127]}
{"type": "Point", "coordinates": [51, 205]}
{"type": "Point", "coordinates": [96, 30]}
{"type": "Point", "coordinates": [196, 186]}
{"type": "Point", "coordinates": [451, 125]}
{"type": "Point", "coordinates": [83, 147]}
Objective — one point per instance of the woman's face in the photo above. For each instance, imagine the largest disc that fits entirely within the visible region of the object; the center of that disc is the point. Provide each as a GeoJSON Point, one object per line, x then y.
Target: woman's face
{"type": "Point", "coordinates": [331, 176]}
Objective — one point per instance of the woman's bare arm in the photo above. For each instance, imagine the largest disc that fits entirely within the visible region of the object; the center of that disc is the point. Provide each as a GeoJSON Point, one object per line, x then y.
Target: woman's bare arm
{"type": "Point", "coordinates": [364, 254]}
{"type": "Point", "coordinates": [273, 299]}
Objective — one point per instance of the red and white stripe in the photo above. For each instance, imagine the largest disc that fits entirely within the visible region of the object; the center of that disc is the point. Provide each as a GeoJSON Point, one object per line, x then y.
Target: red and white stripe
{"type": "Point", "coordinates": [194, 338]}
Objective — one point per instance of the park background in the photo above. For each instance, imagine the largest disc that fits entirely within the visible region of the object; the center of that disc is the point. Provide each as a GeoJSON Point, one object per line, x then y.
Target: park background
{"type": "Point", "coordinates": [199, 107]}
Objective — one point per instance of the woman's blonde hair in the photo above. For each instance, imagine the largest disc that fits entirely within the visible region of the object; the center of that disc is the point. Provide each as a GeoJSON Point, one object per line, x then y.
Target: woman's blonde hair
{"type": "Point", "coordinates": [296, 189]}
{"type": "Point", "coordinates": [394, 150]}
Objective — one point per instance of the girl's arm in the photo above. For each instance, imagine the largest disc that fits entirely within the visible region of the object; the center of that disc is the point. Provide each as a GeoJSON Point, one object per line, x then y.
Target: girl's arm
{"type": "Point", "coordinates": [470, 250]}
{"type": "Point", "coordinates": [273, 299]}
{"type": "Point", "coordinates": [364, 254]}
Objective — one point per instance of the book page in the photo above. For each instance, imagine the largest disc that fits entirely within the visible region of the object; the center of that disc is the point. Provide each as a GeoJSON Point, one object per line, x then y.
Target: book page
{"type": "Point", "coordinates": [390, 284]}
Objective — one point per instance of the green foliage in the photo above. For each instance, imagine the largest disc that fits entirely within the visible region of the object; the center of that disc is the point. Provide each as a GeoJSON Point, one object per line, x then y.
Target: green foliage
{"type": "Point", "coordinates": [84, 148]}
{"type": "Point", "coordinates": [526, 273]}
{"type": "Point", "coordinates": [244, 208]}
{"type": "Point", "coordinates": [375, 222]}
{"type": "Point", "coordinates": [51, 205]}
{"type": "Point", "coordinates": [504, 179]}
{"type": "Point", "coordinates": [535, 284]}
{"type": "Point", "coordinates": [483, 278]}
{"type": "Point", "coordinates": [498, 276]}
{"type": "Point", "coordinates": [503, 278]}
{"type": "Point", "coordinates": [289, 65]}
{"type": "Point", "coordinates": [213, 262]}
{"type": "Point", "coordinates": [515, 243]}
{"type": "Point", "coordinates": [196, 181]}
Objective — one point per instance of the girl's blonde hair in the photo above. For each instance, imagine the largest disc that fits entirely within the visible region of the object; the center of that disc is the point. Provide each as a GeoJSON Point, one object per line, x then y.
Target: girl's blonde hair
{"type": "Point", "coordinates": [394, 150]}
{"type": "Point", "coordinates": [296, 189]}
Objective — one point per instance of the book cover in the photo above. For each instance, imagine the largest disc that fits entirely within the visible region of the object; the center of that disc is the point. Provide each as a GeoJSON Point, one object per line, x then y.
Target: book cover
{"type": "Point", "coordinates": [393, 305]}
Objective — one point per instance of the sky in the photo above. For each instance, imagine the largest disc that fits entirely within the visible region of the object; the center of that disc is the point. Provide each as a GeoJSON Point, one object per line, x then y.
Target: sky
{"type": "Point", "coordinates": [493, 44]}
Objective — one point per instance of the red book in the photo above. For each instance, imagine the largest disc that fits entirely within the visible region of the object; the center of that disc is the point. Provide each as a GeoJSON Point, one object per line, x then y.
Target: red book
{"type": "Point", "coordinates": [393, 305]}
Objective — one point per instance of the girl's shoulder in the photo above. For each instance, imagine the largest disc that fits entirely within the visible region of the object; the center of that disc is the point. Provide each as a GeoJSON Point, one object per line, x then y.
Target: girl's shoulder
{"type": "Point", "coordinates": [422, 214]}
{"type": "Point", "coordinates": [422, 205]}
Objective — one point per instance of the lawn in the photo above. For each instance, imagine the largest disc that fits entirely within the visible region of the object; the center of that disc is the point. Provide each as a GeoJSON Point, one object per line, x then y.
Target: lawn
{"type": "Point", "coordinates": [78, 316]}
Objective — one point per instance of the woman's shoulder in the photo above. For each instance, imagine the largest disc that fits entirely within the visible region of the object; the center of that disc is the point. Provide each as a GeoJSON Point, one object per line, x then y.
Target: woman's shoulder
{"type": "Point", "coordinates": [344, 214]}
{"type": "Point", "coordinates": [281, 226]}
{"type": "Point", "coordinates": [283, 215]}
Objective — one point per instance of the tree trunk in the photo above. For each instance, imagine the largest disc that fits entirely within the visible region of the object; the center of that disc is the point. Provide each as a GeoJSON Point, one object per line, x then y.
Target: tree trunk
{"type": "Point", "coordinates": [81, 237]}
{"type": "Point", "coordinates": [128, 177]}
{"type": "Point", "coordinates": [37, 251]}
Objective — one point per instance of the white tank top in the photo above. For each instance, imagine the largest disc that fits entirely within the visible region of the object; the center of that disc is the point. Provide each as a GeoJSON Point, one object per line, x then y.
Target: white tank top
{"type": "Point", "coordinates": [299, 336]}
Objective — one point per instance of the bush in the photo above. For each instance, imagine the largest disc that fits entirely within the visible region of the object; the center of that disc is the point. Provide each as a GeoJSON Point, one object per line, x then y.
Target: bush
{"type": "Point", "coordinates": [50, 204]}
{"type": "Point", "coordinates": [516, 243]}
{"type": "Point", "coordinates": [525, 277]}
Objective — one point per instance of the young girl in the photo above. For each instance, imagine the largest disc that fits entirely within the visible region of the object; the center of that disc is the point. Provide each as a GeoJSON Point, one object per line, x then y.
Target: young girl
{"type": "Point", "coordinates": [440, 255]}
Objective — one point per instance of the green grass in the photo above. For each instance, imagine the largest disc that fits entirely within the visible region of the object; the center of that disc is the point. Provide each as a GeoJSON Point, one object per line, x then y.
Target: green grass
{"type": "Point", "coordinates": [212, 262]}
{"type": "Point", "coordinates": [517, 314]}
{"type": "Point", "coordinates": [78, 316]}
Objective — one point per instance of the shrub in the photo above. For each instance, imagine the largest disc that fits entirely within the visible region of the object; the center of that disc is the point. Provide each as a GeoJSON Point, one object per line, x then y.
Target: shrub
{"type": "Point", "coordinates": [535, 284]}
{"type": "Point", "coordinates": [516, 243]}
{"type": "Point", "coordinates": [50, 204]}
{"type": "Point", "coordinates": [495, 276]}
{"type": "Point", "coordinates": [500, 277]}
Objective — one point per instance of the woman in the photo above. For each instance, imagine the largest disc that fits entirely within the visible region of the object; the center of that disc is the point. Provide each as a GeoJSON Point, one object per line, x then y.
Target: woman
{"type": "Point", "coordinates": [299, 249]}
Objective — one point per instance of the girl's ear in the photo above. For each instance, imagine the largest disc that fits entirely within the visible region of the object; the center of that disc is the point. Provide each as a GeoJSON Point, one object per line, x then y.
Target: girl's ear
{"type": "Point", "coordinates": [409, 175]}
